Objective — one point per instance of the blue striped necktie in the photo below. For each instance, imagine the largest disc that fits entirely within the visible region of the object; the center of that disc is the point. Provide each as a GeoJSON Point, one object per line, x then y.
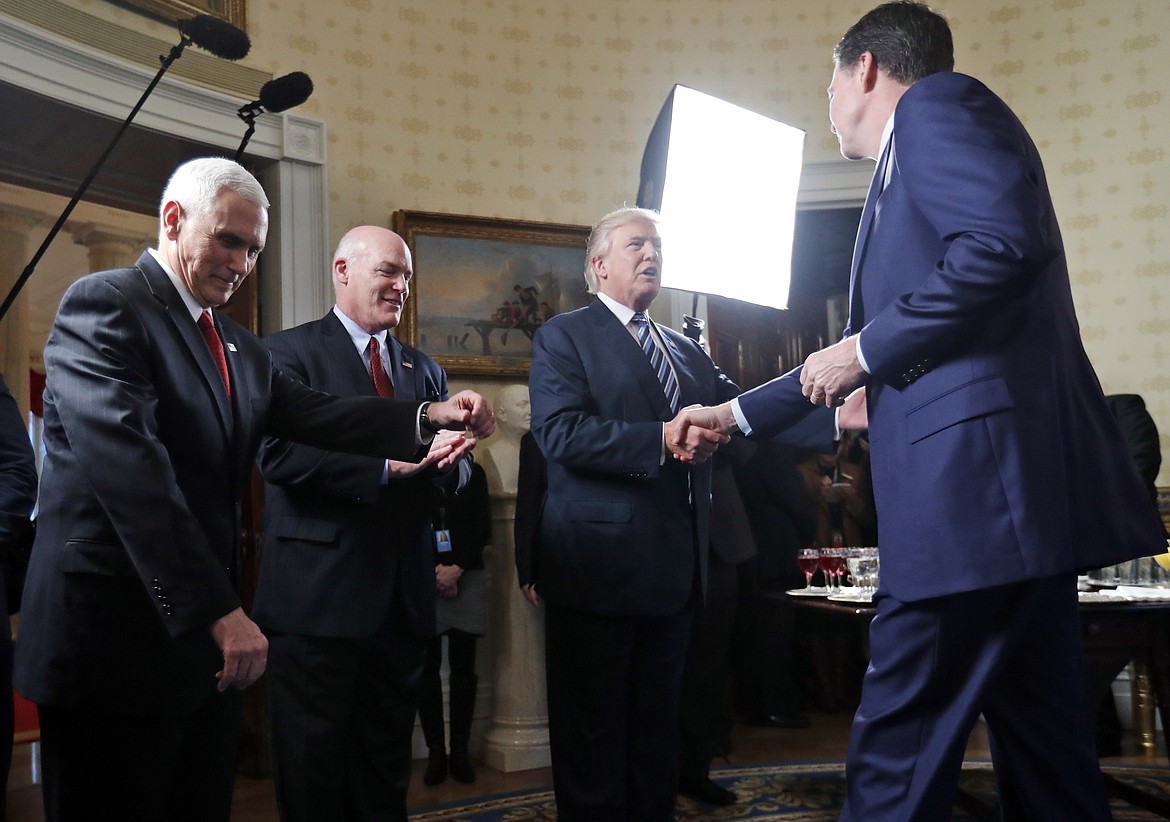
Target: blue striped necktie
{"type": "Point", "coordinates": [657, 361]}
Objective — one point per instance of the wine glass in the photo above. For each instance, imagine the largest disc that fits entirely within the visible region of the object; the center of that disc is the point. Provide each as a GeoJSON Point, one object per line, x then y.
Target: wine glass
{"type": "Point", "coordinates": [808, 559]}
{"type": "Point", "coordinates": [832, 562]}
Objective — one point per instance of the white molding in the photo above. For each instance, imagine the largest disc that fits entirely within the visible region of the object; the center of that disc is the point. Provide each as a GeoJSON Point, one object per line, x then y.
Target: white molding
{"type": "Point", "coordinates": [304, 291]}
{"type": "Point", "coordinates": [71, 73]}
{"type": "Point", "coordinates": [834, 184]}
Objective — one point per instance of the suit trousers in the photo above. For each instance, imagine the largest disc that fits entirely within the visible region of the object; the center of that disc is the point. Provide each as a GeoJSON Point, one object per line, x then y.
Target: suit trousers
{"type": "Point", "coordinates": [613, 709]}
{"type": "Point", "coordinates": [1012, 653]}
{"type": "Point", "coordinates": [7, 720]}
{"type": "Point", "coordinates": [705, 719]}
{"type": "Point", "coordinates": [141, 768]}
{"type": "Point", "coordinates": [342, 715]}
{"type": "Point", "coordinates": [764, 660]}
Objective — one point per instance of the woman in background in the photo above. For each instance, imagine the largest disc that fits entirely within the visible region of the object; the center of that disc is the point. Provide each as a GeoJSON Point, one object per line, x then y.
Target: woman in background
{"type": "Point", "coordinates": [463, 529]}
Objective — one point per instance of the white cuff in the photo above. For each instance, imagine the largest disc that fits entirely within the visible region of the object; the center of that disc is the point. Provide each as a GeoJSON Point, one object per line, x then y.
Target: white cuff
{"type": "Point", "coordinates": [740, 419]}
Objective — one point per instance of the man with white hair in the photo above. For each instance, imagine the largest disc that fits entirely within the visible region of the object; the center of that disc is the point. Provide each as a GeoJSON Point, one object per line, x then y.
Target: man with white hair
{"type": "Point", "coordinates": [133, 643]}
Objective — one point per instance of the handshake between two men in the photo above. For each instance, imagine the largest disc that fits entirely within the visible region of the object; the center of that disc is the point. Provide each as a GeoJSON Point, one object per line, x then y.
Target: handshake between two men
{"type": "Point", "coordinates": [832, 377]}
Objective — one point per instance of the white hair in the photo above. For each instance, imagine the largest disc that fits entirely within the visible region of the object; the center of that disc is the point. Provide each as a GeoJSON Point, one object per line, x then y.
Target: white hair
{"type": "Point", "coordinates": [196, 184]}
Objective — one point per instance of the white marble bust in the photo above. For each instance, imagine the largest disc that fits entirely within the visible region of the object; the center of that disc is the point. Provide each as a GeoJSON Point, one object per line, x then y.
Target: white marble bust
{"type": "Point", "coordinates": [501, 457]}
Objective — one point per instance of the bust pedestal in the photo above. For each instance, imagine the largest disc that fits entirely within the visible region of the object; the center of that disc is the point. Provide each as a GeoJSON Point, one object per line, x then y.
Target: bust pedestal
{"type": "Point", "coordinates": [518, 738]}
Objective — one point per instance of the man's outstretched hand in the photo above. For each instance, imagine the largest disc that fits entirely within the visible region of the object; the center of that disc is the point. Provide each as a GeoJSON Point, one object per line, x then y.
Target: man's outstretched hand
{"type": "Point", "coordinates": [693, 435]}
{"type": "Point", "coordinates": [465, 411]}
{"type": "Point", "coordinates": [446, 449]}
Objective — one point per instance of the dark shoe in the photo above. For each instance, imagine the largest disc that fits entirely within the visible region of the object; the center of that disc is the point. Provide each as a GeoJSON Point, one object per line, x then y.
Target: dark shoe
{"type": "Point", "coordinates": [781, 721]}
{"type": "Point", "coordinates": [707, 792]}
{"type": "Point", "coordinates": [461, 770]}
{"type": "Point", "coordinates": [436, 770]}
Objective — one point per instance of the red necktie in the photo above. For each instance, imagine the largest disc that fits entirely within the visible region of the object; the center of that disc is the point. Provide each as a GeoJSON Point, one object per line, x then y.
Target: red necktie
{"type": "Point", "coordinates": [211, 336]}
{"type": "Point", "coordinates": [382, 382]}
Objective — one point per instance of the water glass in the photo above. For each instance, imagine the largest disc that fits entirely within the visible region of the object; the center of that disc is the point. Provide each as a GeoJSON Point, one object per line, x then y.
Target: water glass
{"type": "Point", "coordinates": [863, 567]}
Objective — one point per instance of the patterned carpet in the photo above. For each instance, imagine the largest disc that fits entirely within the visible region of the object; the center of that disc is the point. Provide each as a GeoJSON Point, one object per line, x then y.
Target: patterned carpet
{"type": "Point", "coordinates": [809, 792]}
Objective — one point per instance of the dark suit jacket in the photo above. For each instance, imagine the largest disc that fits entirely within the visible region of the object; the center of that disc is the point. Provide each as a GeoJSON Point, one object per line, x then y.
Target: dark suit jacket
{"type": "Point", "coordinates": [618, 533]}
{"type": "Point", "coordinates": [1140, 433]}
{"type": "Point", "coordinates": [732, 540]}
{"type": "Point", "coordinates": [18, 495]}
{"type": "Point", "coordinates": [994, 457]}
{"type": "Point", "coordinates": [337, 541]}
{"type": "Point", "coordinates": [140, 508]}
{"type": "Point", "coordinates": [531, 486]}
{"type": "Point", "coordinates": [781, 513]}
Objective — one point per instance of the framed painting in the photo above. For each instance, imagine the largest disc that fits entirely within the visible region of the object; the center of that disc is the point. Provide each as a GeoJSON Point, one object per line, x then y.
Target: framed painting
{"type": "Point", "coordinates": [231, 10]}
{"type": "Point", "coordinates": [482, 287]}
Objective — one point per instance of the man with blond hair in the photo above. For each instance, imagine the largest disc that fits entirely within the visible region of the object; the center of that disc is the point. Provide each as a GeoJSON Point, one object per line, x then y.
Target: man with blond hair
{"type": "Point", "coordinates": [624, 530]}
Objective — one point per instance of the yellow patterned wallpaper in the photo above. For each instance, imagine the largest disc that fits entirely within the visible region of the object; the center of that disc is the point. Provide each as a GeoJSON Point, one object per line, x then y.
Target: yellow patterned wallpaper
{"type": "Point", "coordinates": [539, 109]}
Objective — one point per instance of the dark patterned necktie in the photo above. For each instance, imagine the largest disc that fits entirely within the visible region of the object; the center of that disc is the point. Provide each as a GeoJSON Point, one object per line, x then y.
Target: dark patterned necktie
{"type": "Point", "coordinates": [215, 344]}
{"type": "Point", "coordinates": [382, 382]}
{"type": "Point", "coordinates": [657, 361]}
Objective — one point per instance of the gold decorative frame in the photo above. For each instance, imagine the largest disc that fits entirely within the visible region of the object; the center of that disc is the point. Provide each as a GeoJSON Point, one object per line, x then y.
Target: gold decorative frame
{"type": "Point", "coordinates": [483, 286]}
{"type": "Point", "coordinates": [234, 11]}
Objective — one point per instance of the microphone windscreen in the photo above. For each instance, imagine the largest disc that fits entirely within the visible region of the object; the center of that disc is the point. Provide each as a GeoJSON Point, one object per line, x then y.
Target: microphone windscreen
{"type": "Point", "coordinates": [217, 36]}
{"type": "Point", "coordinates": [286, 92]}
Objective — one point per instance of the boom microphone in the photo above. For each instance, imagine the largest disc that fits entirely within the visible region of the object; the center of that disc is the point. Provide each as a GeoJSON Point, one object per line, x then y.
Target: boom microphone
{"type": "Point", "coordinates": [220, 38]}
{"type": "Point", "coordinates": [217, 36]}
{"type": "Point", "coordinates": [275, 96]}
{"type": "Point", "coordinates": [285, 92]}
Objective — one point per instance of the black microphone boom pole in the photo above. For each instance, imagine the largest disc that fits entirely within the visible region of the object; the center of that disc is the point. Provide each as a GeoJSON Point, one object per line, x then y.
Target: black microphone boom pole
{"type": "Point", "coordinates": [216, 36]}
{"type": "Point", "coordinates": [275, 96]}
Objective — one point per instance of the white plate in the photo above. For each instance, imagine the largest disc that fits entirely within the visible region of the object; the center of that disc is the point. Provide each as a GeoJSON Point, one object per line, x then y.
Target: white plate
{"type": "Point", "coordinates": [808, 592]}
{"type": "Point", "coordinates": [1101, 597]}
{"type": "Point", "coordinates": [1143, 593]}
{"type": "Point", "coordinates": [851, 598]}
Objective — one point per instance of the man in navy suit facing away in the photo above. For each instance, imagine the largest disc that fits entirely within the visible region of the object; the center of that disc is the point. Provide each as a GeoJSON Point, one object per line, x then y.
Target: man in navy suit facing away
{"type": "Point", "coordinates": [998, 471]}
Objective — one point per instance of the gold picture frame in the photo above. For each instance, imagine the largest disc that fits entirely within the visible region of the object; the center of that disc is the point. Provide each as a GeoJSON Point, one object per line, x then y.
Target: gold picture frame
{"type": "Point", "coordinates": [483, 286]}
{"type": "Point", "coordinates": [233, 11]}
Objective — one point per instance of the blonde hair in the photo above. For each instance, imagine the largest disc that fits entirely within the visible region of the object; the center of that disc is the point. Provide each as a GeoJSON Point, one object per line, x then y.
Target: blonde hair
{"type": "Point", "coordinates": [601, 237]}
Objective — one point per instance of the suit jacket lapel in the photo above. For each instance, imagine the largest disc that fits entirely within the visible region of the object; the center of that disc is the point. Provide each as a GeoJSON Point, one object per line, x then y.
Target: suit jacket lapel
{"type": "Point", "coordinates": [629, 355]}
{"type": "Point", "coordinates": [339, 350]}
{"type": "Point", "coordinates": [406, 376]}
{"type": "Point", "coordinates": [856, 309]}
{"type": "Point", "coordinates": [192, 338]}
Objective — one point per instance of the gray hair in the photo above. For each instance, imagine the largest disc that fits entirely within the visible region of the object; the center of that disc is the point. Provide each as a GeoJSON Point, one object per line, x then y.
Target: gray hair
{"type": "Point", "coordinates": [196, 184]}
{"type": "Point", "coordinates": [601, 237]}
